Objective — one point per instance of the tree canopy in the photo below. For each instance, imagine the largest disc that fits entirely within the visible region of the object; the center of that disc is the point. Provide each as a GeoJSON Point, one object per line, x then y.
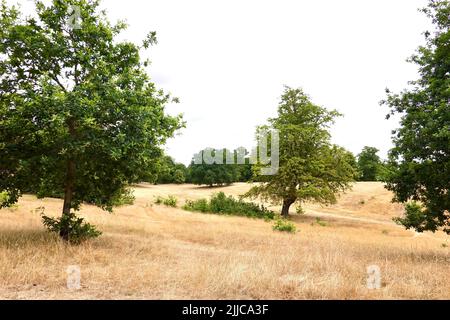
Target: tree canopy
{"type": "Point", "coordinates": [369, 164]}
{"type": "Point", "coordinates": [78, 112]}
{"type": "Point", "coordinates": [420, 159]}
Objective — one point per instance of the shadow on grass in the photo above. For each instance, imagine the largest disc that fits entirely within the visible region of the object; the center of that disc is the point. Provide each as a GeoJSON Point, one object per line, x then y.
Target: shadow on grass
{"type": "Point", "coordinates": [211, 187]}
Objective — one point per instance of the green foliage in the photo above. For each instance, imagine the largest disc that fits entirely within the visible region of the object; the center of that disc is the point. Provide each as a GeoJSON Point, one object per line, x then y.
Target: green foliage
{"type": "Point", "coordinates": [221, 204]}
{"type": "Point", "coordinates": [124, 198]}
{"type": "Point", "coordinates": [170, 172]}
{"type": "Point", "coordinates": [299, 210]}
{"type": "Point", "coordinates": [3, 199]}
{"type": "Point", "coordinates": [311, 168]}
{"type": "Point", "coordinates": [72, 228]}
{"type": "Point", "coordinates": [219, 173]}
{"type": "Point", "coordinates": [284, 225]}
{"type": "Point", "coordinates": [79, 116]}
{"type": "Point", "coordinates": [201, 205]}
{"type": "Point", "coordinates": [420, 160]}
{"type": "Point", "coordinates": [170, 201]}
{"type": "Point", "coordinates": [369, 164]}
{"type": "Point", "coordinates": [320, 222]}
{"type": "Point", "coordinates": [415, 217]}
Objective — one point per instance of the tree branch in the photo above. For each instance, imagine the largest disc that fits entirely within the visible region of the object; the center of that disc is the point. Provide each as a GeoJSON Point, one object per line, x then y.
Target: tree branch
{"type": "Point", "coordinates": [59, 83]}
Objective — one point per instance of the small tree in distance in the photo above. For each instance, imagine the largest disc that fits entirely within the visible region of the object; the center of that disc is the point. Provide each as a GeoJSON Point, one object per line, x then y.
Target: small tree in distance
{"type": "Point", "coordinates": [370, 165]}
{"type": "Point", "coordinates": [311, 168]}
{"type": "Point", "coordinates": [170, 172]}
{"type": "Point", "coordinates": [215, 174]}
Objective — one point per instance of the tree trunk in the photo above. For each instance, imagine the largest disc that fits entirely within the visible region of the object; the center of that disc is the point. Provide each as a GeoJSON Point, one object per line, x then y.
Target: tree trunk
{"type": "Point", "coordinates": [68, 194]}
{"type": "Point", "coordinates": [286, 205]}
{"type": "Point", "coordinates": [64, 231]}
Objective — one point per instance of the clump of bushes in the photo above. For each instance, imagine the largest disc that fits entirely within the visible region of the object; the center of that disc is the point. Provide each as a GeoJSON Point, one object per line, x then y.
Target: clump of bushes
{"type": "Point", "coordinates": [3, 198]}
{"type": "Point", "coordinates": [170, 201]}
{"type": "Point", "coordinates": [221, 204]}
{"type": "Point", "coordinates": [5, 201]}
{"type": "Point", "coordinates": [70, 227]}
{"type": "Point", "coordinates": [320, 222]}
{"type": "Point", "coordinates": [414, 217]}
{"type": "Point", "coordinates": [125, 198]}
{"type": "Point", "coordinates": [284, 225]}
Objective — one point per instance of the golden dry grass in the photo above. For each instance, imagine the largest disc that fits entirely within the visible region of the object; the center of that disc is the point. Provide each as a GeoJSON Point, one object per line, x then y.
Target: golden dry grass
{"type": "Point", "coordinates": [154, 252]}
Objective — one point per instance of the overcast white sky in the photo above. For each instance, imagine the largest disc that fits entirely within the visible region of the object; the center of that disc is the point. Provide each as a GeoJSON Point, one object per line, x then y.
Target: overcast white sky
{"type": "Point", "coordinates": [227, 61]}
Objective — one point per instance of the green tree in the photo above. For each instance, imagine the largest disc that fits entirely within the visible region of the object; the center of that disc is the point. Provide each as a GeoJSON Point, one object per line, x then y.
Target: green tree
{"type": "Point", "coordinates": [218, 173]}
{"type": "Point", "coordinates": [311, 168]}
{"type": "Point", "coordinates": [170, 172]}
{"type": "Point", "coordinates": [243, 165]}
{"type": "Point", "coordinates": [78, 113]}
{"type": "Point", "coordinates": [420, 159]}
{"type": "Point", "coordinates": [369, 164]}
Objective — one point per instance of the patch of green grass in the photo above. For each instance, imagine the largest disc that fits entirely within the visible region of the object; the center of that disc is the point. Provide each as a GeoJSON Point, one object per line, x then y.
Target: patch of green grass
{"type": "Point", "coordinates": [444, 245]}
{"type": "Point", "coordinates": [284, 225]}
{"type": "Point", "coordinates": [320, 222]}
{"type": "Point", "coordinates": [219, 203]}
{"type": "Point", "coordinates": [170, 201]}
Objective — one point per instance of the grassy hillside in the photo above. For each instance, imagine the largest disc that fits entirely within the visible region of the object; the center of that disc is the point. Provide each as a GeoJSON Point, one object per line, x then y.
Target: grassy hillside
{"type": "Point", "coordinates": [157, 252]}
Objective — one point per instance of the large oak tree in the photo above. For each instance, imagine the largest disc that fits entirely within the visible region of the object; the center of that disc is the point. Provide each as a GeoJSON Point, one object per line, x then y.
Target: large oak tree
{"type": "Point", "coordinates": [78, 113]}
{"type": "Point", "coordinates": [310, 167]}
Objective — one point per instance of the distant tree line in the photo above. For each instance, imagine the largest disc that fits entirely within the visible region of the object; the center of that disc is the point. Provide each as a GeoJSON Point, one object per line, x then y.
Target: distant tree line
{"type": "Point", "coordinates": [171, 172]}
{"type": "Point", "coordinates": [367, 165]}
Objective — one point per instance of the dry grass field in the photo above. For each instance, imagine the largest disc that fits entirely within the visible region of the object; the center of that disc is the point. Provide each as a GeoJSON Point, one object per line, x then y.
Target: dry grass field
{"type": "Point", "coordinates": [155, 252]}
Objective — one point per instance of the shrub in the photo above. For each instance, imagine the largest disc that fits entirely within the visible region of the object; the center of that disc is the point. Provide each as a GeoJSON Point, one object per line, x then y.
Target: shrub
{"type": "Point", "coordinates": [3, 198]}
{"type": "Point", "coordinates": [320, 222]}
{"type": "Point", "coordinates": [71, 228]}
{"type": "Point", "coordinates": [300, 210]}
{"type": "Point", "coordinates": [221, 204]}
{"type": "Point", "coordinates": [170, 201]}
{"type": "Point", "coordinates": [284, 225]}
{"type": "Point", "coordinates": [414, 217]}
{"type": "Point", "coordinates": [126, 198]}
{"type": "Point", "coordinates": [201, 205]}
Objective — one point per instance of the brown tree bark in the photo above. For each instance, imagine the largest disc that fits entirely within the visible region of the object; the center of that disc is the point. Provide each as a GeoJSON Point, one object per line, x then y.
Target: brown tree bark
{"type": "Point", "coordinates": [68, 195]}
{"type": "Point", "coordinates": [64, 231]}
{"type": "Point", "coordinates": [286, 205]}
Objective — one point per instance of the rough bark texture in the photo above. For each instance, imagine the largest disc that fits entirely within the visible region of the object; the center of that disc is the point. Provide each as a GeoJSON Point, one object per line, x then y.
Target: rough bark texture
{"type": "Point", "coordinates": [286, 205]}
{"type": "Point", "coordinates": [64, 232]}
